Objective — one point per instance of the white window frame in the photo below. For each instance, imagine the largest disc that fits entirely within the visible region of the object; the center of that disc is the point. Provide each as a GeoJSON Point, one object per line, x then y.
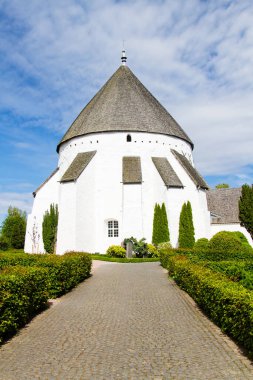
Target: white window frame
{"type": "Point", "coordinates": [112, 228]}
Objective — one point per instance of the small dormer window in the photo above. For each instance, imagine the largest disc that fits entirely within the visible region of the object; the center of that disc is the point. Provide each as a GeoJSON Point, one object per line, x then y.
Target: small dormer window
{"type": "Point", "coordinates": [129, 138]}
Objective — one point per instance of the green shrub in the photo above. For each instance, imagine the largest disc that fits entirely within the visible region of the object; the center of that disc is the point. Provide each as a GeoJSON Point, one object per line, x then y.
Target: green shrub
{"type": "Point", "coordinates": [116, 251]}
{"type": "Point", "coordinates": [23, 292]}
{"type": "Point", "coordinates": [11, 259]}
{"type": "Point", "coordinates": [166, 245]}
{"type": "Point", "coordinates": [152, 251]}
{"type": "Point", "coordinates": [240, 236]}
{"type": "Point", "coordinates": [228, 304]}
{"type": "Point", "coordinates": [4, 243]}
{"type": "Point", "coordinates": [241, 272]}
{"type": "Point", "coordinates": [140, 247]}
{"type": "Point", "coordinates": [228, 241]}
{"type": "Point", "coordinates": [64, 272]}
{"type": "Point", "coordinates": [25, 289]}
{"type": "Point", "coordinates": [164, 255]}
{"type": "Point", "coordinates": [201, 244]}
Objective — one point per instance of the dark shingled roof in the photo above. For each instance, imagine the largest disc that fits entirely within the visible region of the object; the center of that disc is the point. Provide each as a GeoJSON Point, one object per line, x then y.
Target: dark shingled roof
{"type": "Point", "coordinates": [166, 172]}
{"type": "Point", "coordinates": [77, 166]}
{"type": "Point", "coordinates": [224, 204]}
{"type": "Point", "coordinates": [192, 172]}
{"type": "Point", "coordinates": [124, 104]}
{"type": "Point", "coordinates": [46, 180]}
{"type": "Point", "coordinates": [131, 172]}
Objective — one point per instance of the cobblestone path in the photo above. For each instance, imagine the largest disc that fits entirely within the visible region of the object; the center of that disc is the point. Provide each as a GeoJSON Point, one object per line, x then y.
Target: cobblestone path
{"type": "Point", "coordinates": [127, 321]}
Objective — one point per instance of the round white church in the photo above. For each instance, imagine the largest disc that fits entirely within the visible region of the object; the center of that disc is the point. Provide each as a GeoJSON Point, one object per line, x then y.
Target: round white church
{"type": "Point", "coordinates": [122, 154]}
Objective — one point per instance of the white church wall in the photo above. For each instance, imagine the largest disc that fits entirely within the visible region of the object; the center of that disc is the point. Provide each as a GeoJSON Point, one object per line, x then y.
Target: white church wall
{"type": "Point", "coordinates": [67, 218]}
{"type": "Point", "coordinates": [153, 191]}
{"type": "Point", "coordinates": [46, 195]}
{"type": "Point", "coordinates": [113, 200]}
{"type": "Point", "coordinates": [132, 211]}
{"type": "Point", "coordinates": [98, 195]}
{"type": "Point", "coordinates": [230, 227]}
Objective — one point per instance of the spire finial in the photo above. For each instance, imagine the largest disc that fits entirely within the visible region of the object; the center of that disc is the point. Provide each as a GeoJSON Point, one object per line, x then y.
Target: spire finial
{"type": "Point", "coordinates": [123, 55]}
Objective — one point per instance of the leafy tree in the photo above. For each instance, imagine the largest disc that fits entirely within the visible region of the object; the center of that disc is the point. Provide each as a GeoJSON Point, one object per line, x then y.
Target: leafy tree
{"type": "Point", "coordinates": [14, 227]}
{"type": "Point", "coordinates": [246, 208]}
{"type": "Point", "coordinates": [222, 186]}
{"type": "Point", "coordinates": [4, 243]}
{"type": "Point", "coordinates": [186, 228]}
{"type": "Point", "coordinates": [49, 228]}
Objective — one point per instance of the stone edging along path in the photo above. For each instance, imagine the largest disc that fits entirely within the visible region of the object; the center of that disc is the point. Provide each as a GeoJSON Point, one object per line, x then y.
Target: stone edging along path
{"type": "Point", "coordinates": [127, 321]}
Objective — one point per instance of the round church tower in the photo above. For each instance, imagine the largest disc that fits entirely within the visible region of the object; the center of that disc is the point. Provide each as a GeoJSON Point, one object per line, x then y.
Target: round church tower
{"type": "Point", "coordinates": [123, 154]}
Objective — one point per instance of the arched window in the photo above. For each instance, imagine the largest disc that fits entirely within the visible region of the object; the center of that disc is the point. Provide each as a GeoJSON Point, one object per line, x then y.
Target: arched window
{"type": "Point", "coordinates": [129, 138]}
{"type": "Point", "coordinates": [113, 228]}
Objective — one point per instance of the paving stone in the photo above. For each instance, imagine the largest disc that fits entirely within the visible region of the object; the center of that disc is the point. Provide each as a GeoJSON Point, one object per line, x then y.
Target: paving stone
{"type": "Point", "coordinates": [128, 321]}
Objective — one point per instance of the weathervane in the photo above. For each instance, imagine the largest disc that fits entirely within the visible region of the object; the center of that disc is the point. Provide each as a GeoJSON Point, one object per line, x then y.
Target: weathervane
{"type": "Point", "coordinates": [123, 56]}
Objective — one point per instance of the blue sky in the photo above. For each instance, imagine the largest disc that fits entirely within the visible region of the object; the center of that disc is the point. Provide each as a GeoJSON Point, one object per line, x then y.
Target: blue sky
{"type": "Point", "coordinates": [195, 56]}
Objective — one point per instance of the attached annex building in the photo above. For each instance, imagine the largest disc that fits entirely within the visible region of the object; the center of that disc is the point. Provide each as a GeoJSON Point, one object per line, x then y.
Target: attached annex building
{"type": "Point", "coordinates": [122, 154]}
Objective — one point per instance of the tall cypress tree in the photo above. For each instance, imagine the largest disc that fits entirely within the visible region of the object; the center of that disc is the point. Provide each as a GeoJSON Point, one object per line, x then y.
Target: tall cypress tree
{"type": "Point", "coordinates": [156, 222]}
{"type": "Point", "coordinates": [49, 228]}
{"type": "Point", "coordinates": [183, 224]}
{"type": "Point", "coordinates": [165, 234]}
{"type": "Point", "coordinates": [160, 225]}
{"type": "Point", "coordinates": [186, 228]}
{"type": "Point", "coordinates": [191, 233]}
{"type": "Point", "coordinates": [246, 208]}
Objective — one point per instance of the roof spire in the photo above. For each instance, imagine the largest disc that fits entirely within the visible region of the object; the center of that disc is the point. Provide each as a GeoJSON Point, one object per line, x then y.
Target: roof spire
{"type": "Point", "coordinates": [123, 55]}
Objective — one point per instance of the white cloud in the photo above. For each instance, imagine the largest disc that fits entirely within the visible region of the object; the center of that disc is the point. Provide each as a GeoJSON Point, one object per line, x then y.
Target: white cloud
{"type": "Point", "coordinates": [196, 57]}
{"type": "Point", "coordinates": [23, 201]}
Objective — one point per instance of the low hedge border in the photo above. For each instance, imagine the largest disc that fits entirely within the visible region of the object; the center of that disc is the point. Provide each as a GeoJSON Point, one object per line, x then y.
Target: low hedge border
{"type": "Point", "coordinates": [24, 290]}
{"type": "Point", "coordinates": [64, 272]}
{"type": "Point", "coordinates": [228, 304]}
{"type": "Point", "coordinates": [123, 259]}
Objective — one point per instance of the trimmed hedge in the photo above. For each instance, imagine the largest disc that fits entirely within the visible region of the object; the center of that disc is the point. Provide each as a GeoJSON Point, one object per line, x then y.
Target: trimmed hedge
{"type": "Point", "coordinates": [23, 292]}
{"type": "Point", "coordinates": [229, 241]}
{"type": "Point", "coordinates": [227, 303]}
{"type": "Point", "coordinates": [165, 255]}
{"type": "Point", "coordinates": [64, 272]}
{"type": "Point", "coordinates": [123, 259]}
{"type": "Point", "coordinates": [241, 272]}
{"type": "Point", "coordinates": [214, 255]}
{"type": "Point", "coordinates": [201, 244]}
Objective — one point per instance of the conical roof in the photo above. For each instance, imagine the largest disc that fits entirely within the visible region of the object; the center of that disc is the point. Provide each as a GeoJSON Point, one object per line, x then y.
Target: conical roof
{"type": "Point", "coordinates": [124, 104]}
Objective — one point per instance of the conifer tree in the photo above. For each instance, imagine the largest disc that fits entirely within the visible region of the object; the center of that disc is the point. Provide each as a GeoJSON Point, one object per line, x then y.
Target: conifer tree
{"type": "Point", "coordinates": [49, 228]}
{"type": "Point", "coordinates": [156, 222]}
{"type": "Point", "coordinates": [165, 234]}
{"type": "Point", "coordinates": [186, 228]}
{"type": "Point", "coordinates": [246, 208]}
{"type": "Point", "coordinates": [160, 225]}
{"type": "Point", "coordinates": [191, 233]}
{"type": "Point", "coordinates": [183, 222]}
